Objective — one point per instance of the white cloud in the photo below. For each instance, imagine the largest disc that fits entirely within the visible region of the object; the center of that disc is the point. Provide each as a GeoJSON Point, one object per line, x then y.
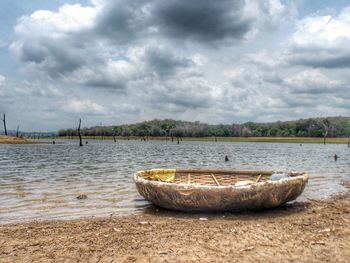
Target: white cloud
{"type": "Point", "coordinates": [2, 80]}
{"type": "Point", "coordinates": [84, 106]}
{"type": "Point", "coordinates": [313, 82]}
{"type": "Point", "coordinates": [113, 74]}
{"type": "Point", "coordinates": [68, 19]}
{"type": "Point", "coordinates": [322, 41]}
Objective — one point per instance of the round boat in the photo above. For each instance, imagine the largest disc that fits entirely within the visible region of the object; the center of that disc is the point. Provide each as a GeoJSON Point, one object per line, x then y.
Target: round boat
{"type": "Point", "coordinates": [219, 190]}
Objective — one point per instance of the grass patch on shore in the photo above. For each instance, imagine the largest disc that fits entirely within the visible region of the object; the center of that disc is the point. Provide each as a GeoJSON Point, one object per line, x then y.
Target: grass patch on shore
{"type": "Point", "coordinates": [229, 139]}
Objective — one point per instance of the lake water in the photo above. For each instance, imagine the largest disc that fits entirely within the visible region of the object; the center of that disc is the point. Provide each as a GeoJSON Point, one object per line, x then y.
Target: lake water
{"type": "Point", "coordinates": [39, 182]}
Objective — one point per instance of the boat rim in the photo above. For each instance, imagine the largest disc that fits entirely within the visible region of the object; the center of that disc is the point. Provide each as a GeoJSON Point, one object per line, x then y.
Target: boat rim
{"type": "Point", "coordinates": [297, 176]}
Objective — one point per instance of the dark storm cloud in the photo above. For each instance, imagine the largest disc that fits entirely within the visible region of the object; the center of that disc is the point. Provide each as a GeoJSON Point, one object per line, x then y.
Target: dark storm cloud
{"type": "Point", "coordinates": [122, 21]}
{"type": "Point", "coordinates": [183, 101]}
{"type": "Point", "coordinates": [33, 53]}
{"type": "Point", "coordinates": [104, 82]}
{"type": "Point", "coordinates": [54, 58]}
{"type": "Point", "coordinates": [165, 62]}
{"type": "Point", "coordinates": [75, 37]}
{"type": "Point", "coordinates": [320, 59]}
{"type": "Point", "coordinates": [204, 21]}
{"type": "Point", "coordinates": [201, 20]}
{"type": "Point", "coordinates": [63, 60]}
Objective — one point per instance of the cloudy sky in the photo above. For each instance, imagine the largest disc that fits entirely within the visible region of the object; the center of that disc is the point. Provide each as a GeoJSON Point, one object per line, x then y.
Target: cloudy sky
{"type": "Point", "coordinates": [122, 61]}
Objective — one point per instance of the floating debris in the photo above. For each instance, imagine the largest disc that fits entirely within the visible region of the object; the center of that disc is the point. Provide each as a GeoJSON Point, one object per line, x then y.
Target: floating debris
{"type": "Point", "coordinates": [82, 196]}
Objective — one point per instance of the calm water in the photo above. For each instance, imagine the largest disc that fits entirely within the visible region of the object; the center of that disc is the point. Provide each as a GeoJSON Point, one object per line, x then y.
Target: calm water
{"type": "Point", "coordinates": [42, 181]}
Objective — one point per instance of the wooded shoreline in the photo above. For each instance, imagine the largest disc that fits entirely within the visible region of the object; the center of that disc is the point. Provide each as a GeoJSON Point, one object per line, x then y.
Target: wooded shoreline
{"type": "Point", "coordinates": [313, 127]}
{"type": "Point", "coordinates": [316, 140]}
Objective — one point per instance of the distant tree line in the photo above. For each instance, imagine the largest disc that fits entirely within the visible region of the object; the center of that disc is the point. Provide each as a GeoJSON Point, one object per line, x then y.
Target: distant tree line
{"type": "Point", "coordinates": [313, 127]}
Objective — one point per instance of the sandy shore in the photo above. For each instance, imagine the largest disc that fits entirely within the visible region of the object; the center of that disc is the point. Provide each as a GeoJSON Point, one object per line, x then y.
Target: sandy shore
{"type": "Point", "coordinates": [15, 140]}
{"type": "Point", "coordinates": [316, 231]}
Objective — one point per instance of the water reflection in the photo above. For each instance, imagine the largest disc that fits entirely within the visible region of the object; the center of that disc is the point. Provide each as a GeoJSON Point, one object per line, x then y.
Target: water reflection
{"type": "Point", "coordinates": [42, 181]}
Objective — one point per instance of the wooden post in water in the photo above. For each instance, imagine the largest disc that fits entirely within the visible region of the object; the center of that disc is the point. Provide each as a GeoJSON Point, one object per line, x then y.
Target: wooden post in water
{"type": "Point", "coordinates": [4, 121]}
{"type": "Point", "coordinates": [80, 140]}
{"type": "Point", "coordinates": [17, 131]}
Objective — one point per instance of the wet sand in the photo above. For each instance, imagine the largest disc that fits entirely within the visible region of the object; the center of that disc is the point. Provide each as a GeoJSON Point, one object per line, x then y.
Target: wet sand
{"type": "Point", "coordinates": [317, 231]}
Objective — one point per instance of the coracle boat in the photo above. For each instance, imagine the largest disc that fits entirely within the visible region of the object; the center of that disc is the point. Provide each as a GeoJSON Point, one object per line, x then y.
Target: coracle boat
{"type": "Point", "coordinates": [219, 190]}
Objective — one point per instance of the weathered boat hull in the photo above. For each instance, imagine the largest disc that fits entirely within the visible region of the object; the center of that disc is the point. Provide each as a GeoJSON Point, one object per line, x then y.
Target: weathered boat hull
{"type": "Point", "coordinates": [194, 197]}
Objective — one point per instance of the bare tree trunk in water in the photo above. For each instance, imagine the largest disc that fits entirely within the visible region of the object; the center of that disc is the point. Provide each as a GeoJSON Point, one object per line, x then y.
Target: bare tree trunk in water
{"type": "Point", "coordinates": [80, 141]}
{"type": "Point", "coordinates": [4, 120]}
{"type": "Point", "coordinates": [326, 127]}
{"type": "Point", "coordinates": [349, 142]}
{"type": "Point", "coordinates": [114, 138]}
{"type": "Point", "coordinates": [17, 131]}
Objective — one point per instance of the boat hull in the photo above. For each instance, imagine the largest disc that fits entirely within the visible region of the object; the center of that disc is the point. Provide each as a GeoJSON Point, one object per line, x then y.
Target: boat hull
{"type": "Point", "coordinates": [195, 198]}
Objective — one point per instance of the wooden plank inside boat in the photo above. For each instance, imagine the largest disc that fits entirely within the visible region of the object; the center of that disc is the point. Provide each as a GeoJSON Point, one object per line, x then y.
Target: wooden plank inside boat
{"type": "Point", "coordinates": [222, 179]}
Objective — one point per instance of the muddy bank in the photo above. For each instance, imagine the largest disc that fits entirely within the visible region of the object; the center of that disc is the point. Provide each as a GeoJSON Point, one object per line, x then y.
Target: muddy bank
{"type": "Point", "coordinates": [316, 231]}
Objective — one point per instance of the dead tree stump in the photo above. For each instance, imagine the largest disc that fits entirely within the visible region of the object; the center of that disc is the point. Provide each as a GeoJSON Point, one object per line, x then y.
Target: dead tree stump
{"type": "Point", "coordinates": [79, 134]}
{"type": "Point", "coordinates": [4, 121]}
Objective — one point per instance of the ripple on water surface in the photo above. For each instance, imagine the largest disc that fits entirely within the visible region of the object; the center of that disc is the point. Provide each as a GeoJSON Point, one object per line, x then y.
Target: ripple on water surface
{"type": "Point", "coordinates": [42, 181]}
